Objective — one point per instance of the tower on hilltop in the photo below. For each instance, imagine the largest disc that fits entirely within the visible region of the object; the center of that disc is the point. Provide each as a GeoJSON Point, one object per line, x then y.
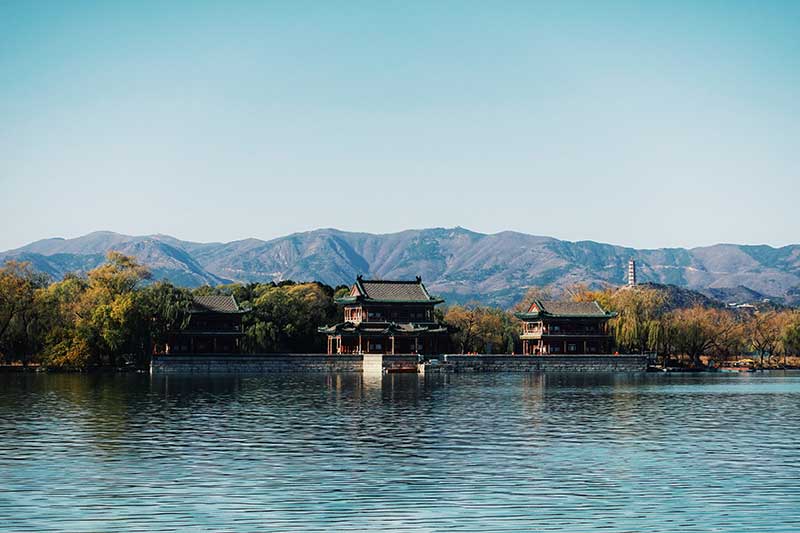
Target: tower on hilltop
{"type": "Point", "coordinates": [631, 273]}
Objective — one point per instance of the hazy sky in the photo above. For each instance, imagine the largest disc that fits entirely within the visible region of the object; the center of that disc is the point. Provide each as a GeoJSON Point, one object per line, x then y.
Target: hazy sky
{"type": "Point", "coordinates": [638, 123]}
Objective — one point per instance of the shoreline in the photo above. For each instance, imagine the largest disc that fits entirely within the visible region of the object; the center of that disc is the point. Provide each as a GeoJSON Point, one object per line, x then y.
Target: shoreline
{"type": "Point", "coordinates": [317, 362]}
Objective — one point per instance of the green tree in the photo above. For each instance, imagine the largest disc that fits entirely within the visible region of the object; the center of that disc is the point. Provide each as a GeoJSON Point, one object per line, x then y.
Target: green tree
{"type": "Point", "coordinates": [161, 308]}
{"type": "Point", "coordinates": [63, 347]}
{"type": "Point", "coordinates": [19, 310]}
{"type": "Point", "coordinates": [637, 325]}
{"type": "Point", "coordinates": [99, 320]}
{"type": "Point", "coordinates": [479, 329]}
{"type": "Point", "coordinates": [285, 317]}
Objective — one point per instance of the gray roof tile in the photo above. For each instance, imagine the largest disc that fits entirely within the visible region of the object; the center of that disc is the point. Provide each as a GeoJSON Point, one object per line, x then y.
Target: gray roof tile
{"type": "Point", "coordinates": [395, 290]}
{"type": "Point", "coordinates": [570, 308]}
{"type": "Point", "coordinates": [214, 304]}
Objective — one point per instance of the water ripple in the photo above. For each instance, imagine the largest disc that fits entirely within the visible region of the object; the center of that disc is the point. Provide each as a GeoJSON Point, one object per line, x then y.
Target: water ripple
{"type": "Point", "coordinates": [443, 453]}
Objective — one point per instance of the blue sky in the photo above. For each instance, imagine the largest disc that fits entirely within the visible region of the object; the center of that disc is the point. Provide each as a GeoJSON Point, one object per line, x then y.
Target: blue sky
{"type": "Point", "coordinates": [646, 124]}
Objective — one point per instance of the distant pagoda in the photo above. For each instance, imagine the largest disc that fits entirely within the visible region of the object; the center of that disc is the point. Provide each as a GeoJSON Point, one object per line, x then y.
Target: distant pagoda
{"type": "Point", "coordinates": [631, 273]}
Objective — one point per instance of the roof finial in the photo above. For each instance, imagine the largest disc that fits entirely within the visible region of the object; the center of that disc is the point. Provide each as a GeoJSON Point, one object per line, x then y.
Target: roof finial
{"type": "Point", "coordinates": [359, 277]}
{"type": "Point", "coordinates": [419, 279]}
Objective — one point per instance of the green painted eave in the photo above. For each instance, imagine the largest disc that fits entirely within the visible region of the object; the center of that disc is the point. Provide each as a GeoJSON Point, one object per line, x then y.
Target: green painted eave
{"type": "Point", "coordinates": [355, 299]}
{"type": "Point", "coordinates": [532, 316]}
{"type": "Point", "coordinates": [212, 312]}
{"type": "Point", "coordinates": [386, 328]}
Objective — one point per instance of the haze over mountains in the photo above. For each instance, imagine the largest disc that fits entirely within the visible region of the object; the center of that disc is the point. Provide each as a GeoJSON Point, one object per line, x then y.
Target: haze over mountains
{"type": "Point", "coordinates": [456, 263]}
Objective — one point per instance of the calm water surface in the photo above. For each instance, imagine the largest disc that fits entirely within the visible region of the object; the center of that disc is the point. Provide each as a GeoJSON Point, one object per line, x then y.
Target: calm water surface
{"type": "Point", "coordinates": [463, 452]}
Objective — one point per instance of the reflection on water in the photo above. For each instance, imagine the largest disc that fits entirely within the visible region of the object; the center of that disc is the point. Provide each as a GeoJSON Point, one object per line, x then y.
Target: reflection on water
{"type": "Point", "coordinates": [455, 452]}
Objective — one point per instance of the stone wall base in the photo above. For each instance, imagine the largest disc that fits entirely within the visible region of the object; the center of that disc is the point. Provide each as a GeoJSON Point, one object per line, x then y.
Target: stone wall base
{"type": "Point", "coordinates": [376, 363]}
{"type": "Point", "coordinates": [547, 363]}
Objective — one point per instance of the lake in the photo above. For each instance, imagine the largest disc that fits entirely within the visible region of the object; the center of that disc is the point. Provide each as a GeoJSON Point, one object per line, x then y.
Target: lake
{"type": "Point", "coordinates": [495, 452]}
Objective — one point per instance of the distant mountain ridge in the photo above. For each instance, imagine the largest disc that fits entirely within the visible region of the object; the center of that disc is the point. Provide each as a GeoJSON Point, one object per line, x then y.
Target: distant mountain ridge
{"type": "Point", "coordinates": [456, 263]}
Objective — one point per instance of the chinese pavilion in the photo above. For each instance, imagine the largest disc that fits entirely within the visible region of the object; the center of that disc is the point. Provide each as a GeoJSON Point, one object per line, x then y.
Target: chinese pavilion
{"type": "Point", "coordinates": [388, 317]}
{"type": "Point", "coordinates": [215, 326]}
{"type": "Point", "coordinates": [550, 327]}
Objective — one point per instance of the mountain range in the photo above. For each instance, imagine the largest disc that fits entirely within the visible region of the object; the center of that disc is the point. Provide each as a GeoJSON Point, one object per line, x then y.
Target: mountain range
{"type": "Point", "coordinates": [456, 263]}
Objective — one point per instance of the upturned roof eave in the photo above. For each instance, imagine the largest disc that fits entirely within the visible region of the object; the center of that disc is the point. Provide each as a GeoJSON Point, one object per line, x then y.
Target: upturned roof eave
{"type": "Point", "coordinates": [216, 304]}
{"type": "Point", "coordinates": [528, 316]}
{"type": "Point", "coordinates": [356, 299]}
{"type": "Point", "coordinates": [390, 328]}
{"type": "Point", "coordinates": [215, 312]}
{"type": "Point", "coordinates": [189, 333]}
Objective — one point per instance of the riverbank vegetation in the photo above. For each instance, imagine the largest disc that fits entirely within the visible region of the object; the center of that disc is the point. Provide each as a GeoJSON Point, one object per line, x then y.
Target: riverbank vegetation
{"type": "Point", "coordinates": [115, 314]}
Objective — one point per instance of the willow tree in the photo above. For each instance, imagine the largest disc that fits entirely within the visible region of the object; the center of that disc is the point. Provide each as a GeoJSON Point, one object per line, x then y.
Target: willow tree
{"type": "Point", "coordinates": [663, 337]}
{"type": "Point", "coordinates": [639, 310]}
{"type": "Point", "coordinates": [481, 329]}
{"type": "Point", "coordinates": [790, 336]}
{"type": "Point", "coordinates": [162, 308]}
{"type": "Point", "coordinates": [764, 331]}
{"type": "Point", "coordinates": [703, 331]}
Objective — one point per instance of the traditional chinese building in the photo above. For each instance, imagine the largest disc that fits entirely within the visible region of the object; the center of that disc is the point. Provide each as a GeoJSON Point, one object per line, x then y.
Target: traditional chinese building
{"type": "Point", "coordinates": [215, 326]}
{"type": "Point", "coordinates": [388, 317]}
{"type": "Point", "coordinates": [550, 327]}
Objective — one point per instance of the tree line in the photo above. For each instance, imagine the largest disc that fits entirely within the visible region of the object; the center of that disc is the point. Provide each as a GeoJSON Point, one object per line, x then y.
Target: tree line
{"type": "Point", "coordinates": [115, 314]}
{"type": "Point", "coordinates": [648, 320]}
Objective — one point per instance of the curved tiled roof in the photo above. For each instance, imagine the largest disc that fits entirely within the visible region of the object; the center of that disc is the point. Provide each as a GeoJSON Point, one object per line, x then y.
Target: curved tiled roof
{"type": "Point", "coordinates": [394, 290]}
{"type": "Point", "coordinates": [214, 304]}
{"type": "Point", "coordinates": [389, 291]}
{"type": "Point", "coordinates": [565, 309]}
{"type": "Point", "coordinates": [554, 307]}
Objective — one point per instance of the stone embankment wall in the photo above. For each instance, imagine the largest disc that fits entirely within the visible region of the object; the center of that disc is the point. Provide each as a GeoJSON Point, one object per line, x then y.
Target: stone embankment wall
{"type": "Point", "coordinates": [254, 364]}
{"type": "Point", "coordinates": [547, 363]}
{"type": "Point", "coordinates": [370, 363]}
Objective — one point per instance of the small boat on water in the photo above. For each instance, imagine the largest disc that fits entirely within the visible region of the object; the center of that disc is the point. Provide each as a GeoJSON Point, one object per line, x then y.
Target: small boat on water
{"type": "Point", "coordinates": [743, 365]}
{"type": "Point", "coordinates": [682, 369]}
{"type": "Point", "coordinates": [402, 370]}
